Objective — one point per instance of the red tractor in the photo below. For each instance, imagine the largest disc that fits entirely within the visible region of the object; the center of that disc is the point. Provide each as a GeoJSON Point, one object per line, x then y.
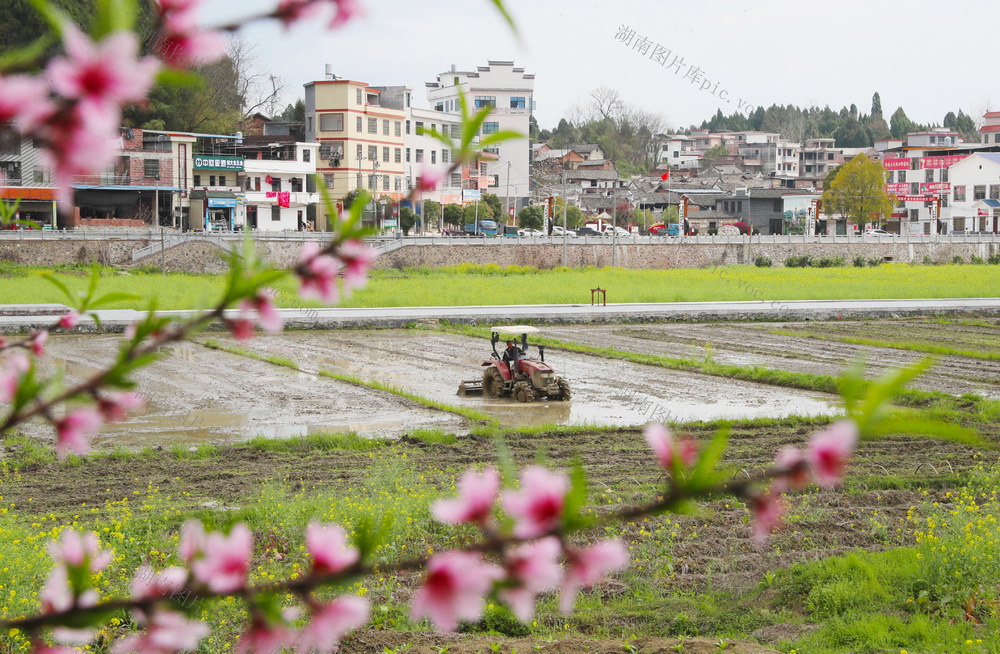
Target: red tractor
{"type": "Point", "coordinates": [515, 374]}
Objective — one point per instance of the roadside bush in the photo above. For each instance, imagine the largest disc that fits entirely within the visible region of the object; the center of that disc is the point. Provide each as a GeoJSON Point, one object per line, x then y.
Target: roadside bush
{"type": "Point", "coordinates": [148, 269]}
{"type": "Point", "coordinates": [957, 260]}
{"type": "Point", "coordinates": [994, 259]}
{"type": "Point", "coordinates": [977, 260]}
{"type": "Point", "coordinates": [874, 262]}
{"type": "Point", "coordinates": [713, 231]}
{"type": "Point", "coordinates": [805, 261]}
{"type": "Point", "coordinates": [830, 262]}
{"type": "Point", "coordinates": [763, 262]}
{"type": "Point", "coordinates": [928, 260]}
{"type": "Point", "coordinates": [859, 261]}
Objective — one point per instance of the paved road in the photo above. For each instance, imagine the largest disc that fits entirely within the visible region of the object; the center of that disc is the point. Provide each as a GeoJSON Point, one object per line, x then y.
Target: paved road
{"type": "Point", "coordinates": [23, 317]}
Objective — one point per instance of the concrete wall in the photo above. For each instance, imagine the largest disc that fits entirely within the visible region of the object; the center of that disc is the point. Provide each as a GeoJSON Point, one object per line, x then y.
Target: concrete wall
{"type": "Point", "coordinates": [206, 257]}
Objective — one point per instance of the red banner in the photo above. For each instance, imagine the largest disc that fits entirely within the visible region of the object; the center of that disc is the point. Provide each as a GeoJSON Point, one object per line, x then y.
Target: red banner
{"type": "Point", "coordinates": [935, 187]}
{"type": "Point", "coordinates": [941, 162]}
{"type": "Point", "coordinates": [285, 199]}
{"type": "Point", "coordinates": [898, 188]}
{"type": "Point", "coordinates": [896, 164]}
{"type": "Point", "coordinates": [915, 198]}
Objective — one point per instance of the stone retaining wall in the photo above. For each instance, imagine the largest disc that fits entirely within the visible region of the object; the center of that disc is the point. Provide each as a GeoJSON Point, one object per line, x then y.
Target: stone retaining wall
{"type": "Point", "coordinates": [197, 256]}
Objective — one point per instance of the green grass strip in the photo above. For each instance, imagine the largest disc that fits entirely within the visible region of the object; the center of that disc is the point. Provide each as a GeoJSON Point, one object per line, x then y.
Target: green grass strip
{"type": "Point", "coordinates": [897, 345]}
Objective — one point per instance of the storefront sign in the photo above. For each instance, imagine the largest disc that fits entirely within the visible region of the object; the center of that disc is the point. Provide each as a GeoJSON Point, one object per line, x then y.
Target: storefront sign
{"type": "Point", "coordinates": [896, 164]}
{"type": "Point", "coordinates": [935, 187]}
{"type": "Point", "coordinates": [222, 203]}
{"type": "Point", "coordinates": [941, 162]}
{"type": "Point", "coordinates": [217, 162]}
{"type": "Point", "coordinates": [898, 188]}
{"type": "Point", "coordinates": [915, 198]}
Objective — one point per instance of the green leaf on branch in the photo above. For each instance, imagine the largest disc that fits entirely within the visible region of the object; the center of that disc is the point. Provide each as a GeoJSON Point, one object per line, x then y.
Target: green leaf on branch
{"type": "Point", "coordinates": [499, 136]}
{"type": "Point", "coordinates": [179, 78]}
{"type": "Point", "coordinates": [52, 15]}
{"type": "Point", "coordinates": [506, 15]}
{"type": "Point", "coordinates": [368, 535]}
{"type": "Point", "coordinates": [573, 517]}
{"type": "Point", "coordinates": [111, 298]}
{"type": "Point", "coordinates": [26, 58]}
{"type": "Point", "coordinates": [706, 472]}
{"type": "Point", "coordinates": [70, 296]}
{"type": "Point", "coordinates": [113, 16]}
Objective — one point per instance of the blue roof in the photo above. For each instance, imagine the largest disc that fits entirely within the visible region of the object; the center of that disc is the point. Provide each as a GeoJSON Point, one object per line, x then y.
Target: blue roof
{"type": "Point", "coordinates": [91, 187]}
{"type": "Point", "coordinates": [992, 156]}
{"type": "Point", "coordinates": [994, 204]}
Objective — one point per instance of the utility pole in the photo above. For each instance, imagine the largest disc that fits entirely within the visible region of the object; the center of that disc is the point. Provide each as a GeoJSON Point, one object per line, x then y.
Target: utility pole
{"type": "Point", "coordinates": [506, 204]}
{"type": "Point", "coordinates": [565, 229]}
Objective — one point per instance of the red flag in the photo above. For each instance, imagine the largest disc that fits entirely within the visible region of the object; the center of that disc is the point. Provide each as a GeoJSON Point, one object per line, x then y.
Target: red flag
{"type": "Point", "coordinates": [665, 176]}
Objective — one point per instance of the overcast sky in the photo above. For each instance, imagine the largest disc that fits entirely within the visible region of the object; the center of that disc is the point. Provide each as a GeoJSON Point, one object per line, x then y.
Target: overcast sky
{"type": "Point", "coordinates": [929, 57]}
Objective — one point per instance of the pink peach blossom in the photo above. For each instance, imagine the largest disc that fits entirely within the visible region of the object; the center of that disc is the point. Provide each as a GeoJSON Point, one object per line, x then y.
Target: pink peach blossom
{"type": "Point", "coordinates": [538, 505]}
{"type": "Point", "coordinates": [533, 568]}
{"type": "Point", "coordinates": [588, 566]}
{"type": "Point", "coordinates": [829, 451]}
{"type": "Point", "coordinates": [453, 589]}
{"type": "Point", "coordinates": [10, 376]}
{"type": "Point", "coordinates": [167, 632]}
{"type": "Point", "coordinates": [430, 179]}
{"type": "Point", "coordinates": [74, 431]}
{"type": "Point", "coordinates": [78, 550]}
{"type": "Point", "coordinates": [188, 48]}
{"type": "Point", "coordinates": [477, 493]}
{"type": "Point", "coordinates": [80, 140]}
{"type": "Point", "coordinates": [24, 102]}
{"type": "Point", "coordinates": [225, 561]}
{"type": "Point", "coordinates": [56, 595]}
{"type": "Point", "coordinates": [684, 452]}
{"type": "Point", "coordinates": [357, 260]}
{"type": "Point", "coordinates": [346, 10]}
{"type": "Point", "coordinates": [332, 621]}
{"type": "Point", "coordinates": [38, 340]}
{"type": "Point", "coordinates": [192, 540]}
{"type": "Point", "coordinates": [242, 329]}
{"type": "Point", "coordinates": [70, 320]}
{"type": "Point", "coordinates": [319, 281]}
{"type": "Point", "coordinates": [793, 472]}
{"type": "Point", "coordinates": [147, 584]}
{"type": "Point", "coordinates": [767, 510]}
{"type": "Point", "coordinates": [109, 72]}
{"type": "Point", "coordinates": [114, 407]}
{"type": "Point", "coordinates": [294, 11]}
{"type": "Point", "coordinates": [329, 549]}
{"type": "Point", "coordinates": [262, 638]}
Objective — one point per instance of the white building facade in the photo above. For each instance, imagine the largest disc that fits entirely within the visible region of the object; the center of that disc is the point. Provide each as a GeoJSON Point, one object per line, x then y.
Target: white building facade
{"type": "Point", "coordinates": [975, 194]}
{"type": "Point", "coordinates": [510, 91]}
{"type": "Point", "coordinates": [280, 192]}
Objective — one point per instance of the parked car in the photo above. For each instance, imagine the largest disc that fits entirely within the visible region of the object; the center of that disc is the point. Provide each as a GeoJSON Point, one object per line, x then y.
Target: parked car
{"type": "Point", "coordinates": [620, 231]}
{"type": "Point", "coordinates": [559, 231]}
{"type": "Point", "coordinates": [877, 232]}
{"type": "Point", "coordinates": [587, 231]}
{"type": "Point", "coordinates": [530, 232]}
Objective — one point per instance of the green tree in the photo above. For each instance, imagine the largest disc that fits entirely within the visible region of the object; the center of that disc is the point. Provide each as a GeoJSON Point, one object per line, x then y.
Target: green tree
{"type": "Point", "coordinates": [407, 219]}
{"type": "Point", "coordinates": [432, 213]}
{"type": "Point", "coordinates": [485, 212]}
{"type": "Point", "coordinates": [900, 125]}
{"type": "Point", "coordinates": [712, 155]}
{"type": "Point", "coordinates": [454, 215]}
{"type": "Point", "coordinates": [531, 218]}
{"type": "Point", "coordinates": [351, 197]}
{"type": "Point", "coordinates": [496, 204]}
{"type": "Point", "coordinates": [574, 217]}
{"type": "Point", "coordinates": [857, 192]}
{"type": "Point", "coordinates": [876, 105]}
{"type": "Point", "coordinates": [966, 126]}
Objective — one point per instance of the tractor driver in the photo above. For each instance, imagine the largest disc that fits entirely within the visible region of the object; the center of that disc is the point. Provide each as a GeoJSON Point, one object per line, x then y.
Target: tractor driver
{"type": "Point", "coordinates": [511, 354]}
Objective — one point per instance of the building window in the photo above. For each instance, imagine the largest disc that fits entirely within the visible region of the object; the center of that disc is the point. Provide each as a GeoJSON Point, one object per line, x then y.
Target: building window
{"type": "Point", "coordinates": [456, 132]}
{"type": "Point", "coordinates": [399, 156]}
{"type": "Point", "coordinates": [915, 163]}
{"type": "Point", "coordinates": [359, 124]}
{"type": "Point", "coordinates": [419, 126]}
{"type": "Point", "coordinates": [482, 169]}
{"type": "Point", "coordinates": [407, 155]}
{"type": "Point", "coordinates": [901, 176]}
{"type": "Point", "coordinates": [373, 125]}
{"type": "Point", "coordinates": [489, 128]}
{"type": "Point", "coordinates": [328, 180]}
{"type": "Point", "coordinates": [385, 153]}
{"type": "Point", "coordinates": [960, 193]}
{"type": "Point", "coordinates": [517, 103]}
{"type": "Point", "coordinates": [385, 182]}
{"type": "Point", "coordinates": [407, 127]}
{"type": "Point", "coordinates": [929, 175]}
{"type": "Point", "coordinates": [407, 99]}
{"type": "Point", "coordinates": [151, 168]}
{"type": "Point", "coordinates": [434, 156]}
{"type": "Point", "coordinates": [275, 213]}
{"type": "Point", "coordinates": [256, 183]}
{"type": "Point", "coordinates": [372, 152]}
{"type": "Point", "coordinates": [486, 101]}
{"type": "Point", "coordinates": [385, 128]}
{"type": "Point", "coordinates": [197, 180]}
{"type": "Point", "coordinates": [398, 129]}
{"type": "Point", "coordinates": [995, 191]}
{"type": "Point", "coordinates": [296, 185]}
{"type": "Point", "coordinates": [914, 215]}
{"type": "Point", "coordinates": [306, 154]}
{"type": "Point", "coordinates": [361, 154]}
{"type": "Point", "coordinates": [332, 151]}
{"type": "Point", "coordinates": [211, 180]}
{"type": "Point", "coordinates": [979, 192]}
{"type": "Point", "coordinates": [276, 184]}
{"type": "Point", "coordinates": [309, 124]}
{"type": "Point", "coordinates": [222, 180]}
{"type": "Point", "coordinates": [456, 180]}
{"type": "Point", "coordinates": [419, 155]}
{"type": "Point", "coordinates": [944, 174]}
{"type": "Point", "coordinates": [444, 155]}
{"type": "Point", "coordinates": [914, 188]}
{"type": "Point", "coordinates": [331, 122]}
{"type": "Point", "coordinates": [357, 98]}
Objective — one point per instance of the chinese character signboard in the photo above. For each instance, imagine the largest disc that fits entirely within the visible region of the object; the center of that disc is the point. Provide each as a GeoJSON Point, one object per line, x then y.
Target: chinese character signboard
{"type": "Point", "coordinates": [941, 162]}
{"type": "Point", "coordinates": [896, 164]}
{"type": "Point", "coordinates": [217, 162]}
{"type": "Point", "coordinates": [915, 198]}
{"type": "Point", "coordinates": [935, 187]}
{"type": "Point", "coordinates": [898, 188]}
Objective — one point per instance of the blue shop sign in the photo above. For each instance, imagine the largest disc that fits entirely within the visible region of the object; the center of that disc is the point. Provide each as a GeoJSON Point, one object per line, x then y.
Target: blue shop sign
{"type": "Point", "coordinates": [222, 203]}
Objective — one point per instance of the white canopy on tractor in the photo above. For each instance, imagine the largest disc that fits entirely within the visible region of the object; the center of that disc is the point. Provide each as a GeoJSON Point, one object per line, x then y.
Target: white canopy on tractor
{"type": "Point", "coordinates": [515, 329]}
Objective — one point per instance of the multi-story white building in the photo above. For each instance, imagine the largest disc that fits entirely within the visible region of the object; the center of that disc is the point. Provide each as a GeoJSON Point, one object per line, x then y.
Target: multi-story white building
{"type": "Point", "coordinates": [510, 92]}
{"type": "Point", "coordinates": [975, 193]}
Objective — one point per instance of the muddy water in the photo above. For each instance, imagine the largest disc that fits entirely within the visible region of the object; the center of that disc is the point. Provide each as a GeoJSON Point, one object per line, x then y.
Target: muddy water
{"type": "Point", "coordinates": [197, 395]}
{"type": "Point", "coordinates": [753, 344]}
{"type": "Point", "coordinates": [604, 392]}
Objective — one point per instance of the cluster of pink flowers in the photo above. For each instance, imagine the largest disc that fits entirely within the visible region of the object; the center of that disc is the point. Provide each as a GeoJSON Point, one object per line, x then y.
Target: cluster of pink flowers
{"type": "Point", "coordinates": [73, 554]}
{"type": "Point", "coordinates": [73, 431]}
{"type": "Point", "coordinates": [824, 460]}
{"type": "Point", "coordinates": [458, 582]}
{"type": "Point", "coordinates": [294, 11]}
{"type": "Point", "coordinates": [318, 273]}
{"type": "Point", "coordinates": [10, 375]}
{"type": "Point", "coordinates": [261, 306]}
{"type": "Point", "coordinates": [182, 43]}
